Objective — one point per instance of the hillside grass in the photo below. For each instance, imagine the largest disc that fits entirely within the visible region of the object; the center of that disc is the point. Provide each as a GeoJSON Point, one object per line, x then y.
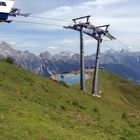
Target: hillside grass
{"type": "Point", "coordinates": [37, 108]}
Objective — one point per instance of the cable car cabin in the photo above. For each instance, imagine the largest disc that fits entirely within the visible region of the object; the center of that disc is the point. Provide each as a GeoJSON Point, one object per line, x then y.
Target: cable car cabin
{"type": "Point", "coordinates": [5, 8]}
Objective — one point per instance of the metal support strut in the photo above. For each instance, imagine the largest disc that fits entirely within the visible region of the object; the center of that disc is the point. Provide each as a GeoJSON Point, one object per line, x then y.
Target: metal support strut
{"type": "Point", "coordinates": [96, 70]}
{"type": "Point", "coordinates": [82, 67]}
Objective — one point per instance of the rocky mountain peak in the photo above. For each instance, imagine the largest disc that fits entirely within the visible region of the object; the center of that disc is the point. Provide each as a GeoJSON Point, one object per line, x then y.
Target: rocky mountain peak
{"type": "Point", "coordinates": [66, 53]}
{"type": "Point", "coordinates": [110, 51]}
{"type": "Point", "coordinates": [5, 46]}
{"type": "Point", "coordinates": [45, 55]}
{"type": "Point", "coordinates": [124, 51]}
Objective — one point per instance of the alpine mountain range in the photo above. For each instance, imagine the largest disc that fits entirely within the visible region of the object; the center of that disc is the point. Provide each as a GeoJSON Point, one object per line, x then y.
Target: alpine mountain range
{"type": "Point", "coordinates": [123, 63]}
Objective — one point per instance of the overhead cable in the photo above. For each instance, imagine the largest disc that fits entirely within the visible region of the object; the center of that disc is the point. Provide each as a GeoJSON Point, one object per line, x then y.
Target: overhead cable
{"type": "Point", "coordinates": [53, 19]}
{"type": "Point", "coordinates": [39, 23]}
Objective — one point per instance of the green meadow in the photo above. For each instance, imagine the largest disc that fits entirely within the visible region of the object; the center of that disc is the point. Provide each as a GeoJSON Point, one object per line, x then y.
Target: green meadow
{"type": "Point", "coordinates": [37, 108]}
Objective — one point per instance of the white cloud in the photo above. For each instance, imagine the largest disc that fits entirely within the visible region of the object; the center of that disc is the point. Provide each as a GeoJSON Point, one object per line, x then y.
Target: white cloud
{"type": "Point", "coordinates": [101, 3]}
{"type": "Point", "coordinates": [53, 48]}
{"type": "Point", "coordinates": [69, 42]}
{"type": "Point", "coordinates": [69, 12]}
{"type": "Point", "coordinates": [120, 14]}
{"type": "Point", "coordinates": [74, 42]}
{"type": "Point", "coordinates": [101, 15]}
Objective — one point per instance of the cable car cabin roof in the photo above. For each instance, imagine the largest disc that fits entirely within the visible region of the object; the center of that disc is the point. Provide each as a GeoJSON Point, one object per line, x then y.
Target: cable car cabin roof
{"type": "Point", "coordinates": [6, 6]}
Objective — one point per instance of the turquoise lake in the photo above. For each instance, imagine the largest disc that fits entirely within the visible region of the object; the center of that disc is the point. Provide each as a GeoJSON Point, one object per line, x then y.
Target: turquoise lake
{"type": "Point", "coordinates": [70, 78]}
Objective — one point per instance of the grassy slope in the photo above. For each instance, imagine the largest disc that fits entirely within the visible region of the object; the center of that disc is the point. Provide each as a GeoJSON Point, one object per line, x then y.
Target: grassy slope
{"type": "Point", "coordinates": [35, 108]}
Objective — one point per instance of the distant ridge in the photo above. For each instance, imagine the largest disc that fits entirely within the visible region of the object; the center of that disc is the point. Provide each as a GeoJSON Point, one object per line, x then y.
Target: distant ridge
{"type": "Point", "coordinates": [123, 62]}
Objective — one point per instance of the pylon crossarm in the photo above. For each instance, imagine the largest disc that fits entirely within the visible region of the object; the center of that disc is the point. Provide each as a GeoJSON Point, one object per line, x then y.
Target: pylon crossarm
{"type": "Point", "coordinates": [85, 30]}
{"type": "Point", "coordinates": [84, 17]}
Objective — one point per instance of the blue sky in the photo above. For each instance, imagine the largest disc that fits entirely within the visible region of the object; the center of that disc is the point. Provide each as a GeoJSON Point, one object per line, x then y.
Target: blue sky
{"type": "Point", "coordinates": [122, 15]}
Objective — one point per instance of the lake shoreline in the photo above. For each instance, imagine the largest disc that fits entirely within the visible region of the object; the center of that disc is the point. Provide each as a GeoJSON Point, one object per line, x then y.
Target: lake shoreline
{"type": "Point", "coordinates": [70, 78]}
